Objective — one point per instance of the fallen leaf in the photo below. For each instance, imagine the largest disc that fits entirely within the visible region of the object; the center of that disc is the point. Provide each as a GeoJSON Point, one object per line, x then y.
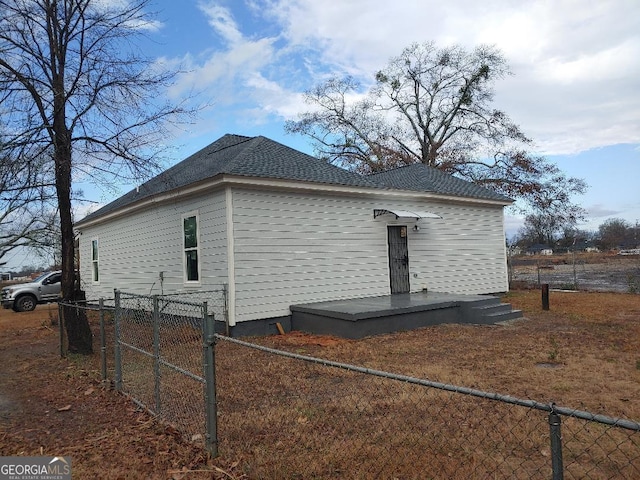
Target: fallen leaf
{"type": "Point", "coordinates": [89, 391]}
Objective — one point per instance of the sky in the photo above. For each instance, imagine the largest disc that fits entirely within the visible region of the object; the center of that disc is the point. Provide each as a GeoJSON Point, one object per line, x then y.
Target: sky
{"type": "Point", "coordinates": [575, 88]}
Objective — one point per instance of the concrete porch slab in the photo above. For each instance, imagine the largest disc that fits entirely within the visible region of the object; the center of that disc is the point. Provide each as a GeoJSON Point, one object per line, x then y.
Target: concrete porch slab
{"type": "Point", "coordinates": [360, 317]}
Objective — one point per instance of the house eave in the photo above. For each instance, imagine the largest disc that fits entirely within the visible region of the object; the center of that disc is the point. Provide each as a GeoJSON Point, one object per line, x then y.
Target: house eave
{"type": "Point", "coordinates": [221, 181]}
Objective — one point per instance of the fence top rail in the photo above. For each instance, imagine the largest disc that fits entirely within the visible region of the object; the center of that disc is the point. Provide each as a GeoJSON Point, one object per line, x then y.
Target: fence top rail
{"type": "Point", "coordinates": [222, 289]}
{"type": "Point", "coordinates": [547, 407]}
{"type": "Point", "coordinates": [127, 295]}
{"type": "Point", "coordinates": [108, 304]}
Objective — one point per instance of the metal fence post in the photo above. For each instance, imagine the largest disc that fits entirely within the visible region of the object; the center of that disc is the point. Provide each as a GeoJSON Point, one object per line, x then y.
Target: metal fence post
{"type": "Point", "coordinates": [116, 351]}
{"type": "Point", "coordinates": [225, 295]}
{"type": "Point", "coordinates": [556, 446]}
{"type": "Point", "coordinates": [156, 354]}
{"type": "Point", "coordinates": [211, 410]}
{"type": "Point", "coordinates": [61, 325]}
{"type": "Point", "coordinates": [103, 341]}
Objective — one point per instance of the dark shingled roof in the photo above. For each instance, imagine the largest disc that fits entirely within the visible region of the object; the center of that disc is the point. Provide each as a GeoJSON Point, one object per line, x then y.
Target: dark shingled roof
{"type": "Point", "coordinates": [422, 178]}
{"type": "Point", "coordinates": [260, 157]}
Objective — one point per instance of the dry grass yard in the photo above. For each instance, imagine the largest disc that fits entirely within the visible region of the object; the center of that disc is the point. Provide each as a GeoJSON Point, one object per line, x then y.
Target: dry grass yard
{"type": "Point", "coordinates": [283, 418]}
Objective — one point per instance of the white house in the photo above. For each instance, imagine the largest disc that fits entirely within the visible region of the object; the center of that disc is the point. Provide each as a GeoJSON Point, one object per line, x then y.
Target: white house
{"type": "Point", "coordinates": [280, 228]}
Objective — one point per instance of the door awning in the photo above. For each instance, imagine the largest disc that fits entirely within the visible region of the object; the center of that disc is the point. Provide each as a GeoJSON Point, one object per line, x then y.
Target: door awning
{"type": "Point", "coordinates": [417, 214]}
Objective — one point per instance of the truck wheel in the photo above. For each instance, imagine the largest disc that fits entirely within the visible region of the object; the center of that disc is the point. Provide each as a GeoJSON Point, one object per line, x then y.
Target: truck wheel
{"type": "Point", "coordinates": [26, 303]}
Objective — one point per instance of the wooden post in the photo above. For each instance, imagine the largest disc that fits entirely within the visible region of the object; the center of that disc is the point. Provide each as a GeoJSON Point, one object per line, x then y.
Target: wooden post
{"type": "Point", "coordinates": [545, 296]}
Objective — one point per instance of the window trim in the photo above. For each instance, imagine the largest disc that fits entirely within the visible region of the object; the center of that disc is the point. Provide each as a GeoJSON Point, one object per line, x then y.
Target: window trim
{"type": "Point", "coordinates": [196, 248]}
{"type": "Point", "coordinates": [95, 262]}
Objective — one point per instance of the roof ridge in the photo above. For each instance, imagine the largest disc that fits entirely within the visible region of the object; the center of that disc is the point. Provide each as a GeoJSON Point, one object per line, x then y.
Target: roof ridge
{"type": "Point", "coordinates": [242, 155]}
{"type": "Point", "coordinates": [224, 147]}
{"type": "Point", "coordinates": [416, 165]}
{"type": "Point", "coordinates": [394, 169]}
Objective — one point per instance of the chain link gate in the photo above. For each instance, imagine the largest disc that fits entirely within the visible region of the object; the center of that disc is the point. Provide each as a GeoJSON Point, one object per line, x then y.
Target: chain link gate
{"type": "Point", "coordinates": [164, 362]}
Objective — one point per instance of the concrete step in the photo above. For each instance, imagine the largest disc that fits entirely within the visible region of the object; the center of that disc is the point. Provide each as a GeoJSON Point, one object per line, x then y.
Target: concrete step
{"type": "Point", "coordinates": [493, 308]}
{"type": "Point", "coordinates": [504, 316]}
{"type": "Point", "coordinates": [496, 312]}
{"type": "Point", "coordinates": [483, 302]}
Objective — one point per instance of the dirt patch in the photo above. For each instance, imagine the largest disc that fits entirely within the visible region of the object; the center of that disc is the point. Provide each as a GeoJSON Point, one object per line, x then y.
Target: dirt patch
{"type": "Point", "coordinates": [548, 365]}
{"type": "Point", "coordinates": [59, 407]}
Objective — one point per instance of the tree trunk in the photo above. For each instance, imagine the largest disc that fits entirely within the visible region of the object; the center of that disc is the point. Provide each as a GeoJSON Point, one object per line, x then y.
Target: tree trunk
{"type": "Point", "coordinates": [79, 333]}
{"type": "Point", "coordinates": [79, 336]}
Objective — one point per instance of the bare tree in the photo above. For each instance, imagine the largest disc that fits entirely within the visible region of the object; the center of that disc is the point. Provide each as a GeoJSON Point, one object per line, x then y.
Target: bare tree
{"type": "Point", "coordinates": [434, 106]}
{"type": "Point", "coordinates": [26, 192]}
{"type": "Point", "coordinates": [541, 229]}
{"type": "Point", "coordinates": [74, 86]}
{"type": "Point", "coordinates": [616, 233]}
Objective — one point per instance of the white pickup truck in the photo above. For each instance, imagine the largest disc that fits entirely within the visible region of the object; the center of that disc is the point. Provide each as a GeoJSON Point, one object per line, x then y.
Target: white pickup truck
{"type": "Point", "coordinates": [23, 297]}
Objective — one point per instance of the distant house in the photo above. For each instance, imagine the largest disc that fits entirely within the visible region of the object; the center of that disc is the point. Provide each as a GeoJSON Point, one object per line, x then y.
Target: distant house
{"type": "Point", "coordinates": [583, 246]}
{"type": "Point", "coordinates": [515, 250]}
{"type": "Point", "coordinates": [630, 251]}
{"type": "Point", "coordinates": [539, 249]}
{"type": "Point", "coordinates": [280, 227]}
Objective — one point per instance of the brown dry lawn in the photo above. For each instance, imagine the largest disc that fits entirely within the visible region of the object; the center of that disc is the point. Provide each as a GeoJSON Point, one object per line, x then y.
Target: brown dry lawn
{"type": "Point", "coordinates": [583, 353]}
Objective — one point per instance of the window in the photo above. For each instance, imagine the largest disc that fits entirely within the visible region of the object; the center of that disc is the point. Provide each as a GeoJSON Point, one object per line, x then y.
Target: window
{"type": "Point", "coordinates": [190, 239]}
{"type": "Point", "coordinates": [95, 276]}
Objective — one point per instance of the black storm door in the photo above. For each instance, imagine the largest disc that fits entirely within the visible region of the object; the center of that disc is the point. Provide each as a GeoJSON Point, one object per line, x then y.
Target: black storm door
{"type": "Point", "coordinates": [398, 259]}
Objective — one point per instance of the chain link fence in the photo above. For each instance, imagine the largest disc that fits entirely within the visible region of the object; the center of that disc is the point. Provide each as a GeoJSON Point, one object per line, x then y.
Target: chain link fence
{"type": "Point", "coordinates": [216, 300]}
{"type": "Point", "coordinates": [164, 361]}
{"type": "Point", "coordinates": [285, 415]}
{"type": "Point", "coordinates": [158, 350]}
{"type": "Point", "coordinates": [574, 272]}
{"type": "Point", "coordinates": [100, 317]}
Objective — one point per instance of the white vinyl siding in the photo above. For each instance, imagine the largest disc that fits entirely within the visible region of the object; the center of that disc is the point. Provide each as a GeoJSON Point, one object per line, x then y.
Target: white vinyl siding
{"type": "Point", "coordinates": [135, 249]}
{"type": "Point", "coordinates": [293, 248]}
{"type": "Point", "coordinates": [297, 248]}
{"type": "Point", "coordinates": [464, 252]}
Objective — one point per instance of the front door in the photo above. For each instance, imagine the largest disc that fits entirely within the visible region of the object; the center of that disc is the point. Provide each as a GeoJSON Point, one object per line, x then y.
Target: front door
{"type": "Point", "coordinates": [398, 259]}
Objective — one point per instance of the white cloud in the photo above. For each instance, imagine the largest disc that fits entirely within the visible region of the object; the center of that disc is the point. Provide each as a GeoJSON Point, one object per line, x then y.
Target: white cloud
{"type": "Point", "coordinates": [274, 98]}
{"type": "Point", "coordinates": [222, 22]}
{"type": "Point", "coordinates": [222, 72]}
{"type": "Point", "coordinates": [600, 211]}
{"type": "Point", "coordinates": [512, 224]}
{"type": "Point", "coordinates": [576, 63]}
{"type": "Point", "coordinates": [147, 25]}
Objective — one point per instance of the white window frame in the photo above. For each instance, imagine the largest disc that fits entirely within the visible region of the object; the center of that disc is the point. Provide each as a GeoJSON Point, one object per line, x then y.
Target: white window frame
{"type": "Point", "coordinates": [95, 262]}
{"type": "Point", "coordinates": [185, 249]}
